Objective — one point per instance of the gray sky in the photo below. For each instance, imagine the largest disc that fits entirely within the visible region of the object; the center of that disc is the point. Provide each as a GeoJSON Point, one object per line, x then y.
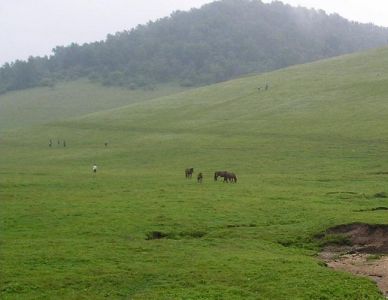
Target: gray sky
{"type": "Point", "coordinates": [34, 27]}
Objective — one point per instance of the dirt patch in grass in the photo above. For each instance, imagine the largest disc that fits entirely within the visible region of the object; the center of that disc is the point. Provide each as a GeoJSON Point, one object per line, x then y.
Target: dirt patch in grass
{"type": "Point", "coordinates": [157, 235]}
{"type": "Point", "coordinates": [373, 209]}
{"type": "Point", "coordinates": [365, 238]}
{"type": "Point", "coordinates": [362, 264]}
{"type": "Point", "coordinates": [240, 225]}
{"type": "Point", "coordinates": [360, 249]}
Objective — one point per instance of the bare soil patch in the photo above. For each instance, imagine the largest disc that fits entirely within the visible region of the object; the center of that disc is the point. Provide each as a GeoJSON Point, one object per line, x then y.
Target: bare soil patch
{"type": "Point", "coordinates": [358, 248]}
{"type": "Point", "coordinates": [240, 225]}
{"type": "Point", "coordinates": [373, 209]}
{"type": "Point", "coordinates": [157, 235]}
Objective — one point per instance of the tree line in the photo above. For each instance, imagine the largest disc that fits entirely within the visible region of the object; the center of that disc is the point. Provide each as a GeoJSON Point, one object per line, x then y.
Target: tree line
{"type": "Point", "coordinates": [217, 42]}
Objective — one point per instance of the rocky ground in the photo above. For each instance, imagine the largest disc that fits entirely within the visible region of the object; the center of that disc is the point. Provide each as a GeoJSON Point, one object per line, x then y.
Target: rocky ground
{"type": "Point", "coordinates": [365, 255]}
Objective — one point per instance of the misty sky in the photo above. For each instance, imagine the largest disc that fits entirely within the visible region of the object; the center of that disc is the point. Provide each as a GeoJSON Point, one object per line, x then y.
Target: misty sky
{"type": "Point", "coordinates": [34, 27]}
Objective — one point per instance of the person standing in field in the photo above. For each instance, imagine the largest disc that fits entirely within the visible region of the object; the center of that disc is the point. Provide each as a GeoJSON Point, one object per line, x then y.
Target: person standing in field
{"type": "Point", "coordinates": [94, 168]}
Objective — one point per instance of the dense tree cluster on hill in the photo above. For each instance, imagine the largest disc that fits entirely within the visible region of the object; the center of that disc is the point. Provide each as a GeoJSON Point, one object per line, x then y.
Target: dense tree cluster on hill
{"type": "Point", "coordinates": [219, 41]}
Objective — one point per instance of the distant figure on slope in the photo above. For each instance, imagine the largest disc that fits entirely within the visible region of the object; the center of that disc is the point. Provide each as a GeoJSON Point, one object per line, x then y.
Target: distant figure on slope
{"type": "Point", "coordinates": [59, 142]}
{"type": "Point", "coordinates": [199, 178]}
{"type": "Point", "coordinates": [64, 143]}
{"type": "Point", "coordinates": [50, 143]}
{"type": "Point", "coordinates": [266, 86]}
{"type": "Point", "coordinates": [94, 168]}
{"type": "Point", "coordinates": [106, 144]}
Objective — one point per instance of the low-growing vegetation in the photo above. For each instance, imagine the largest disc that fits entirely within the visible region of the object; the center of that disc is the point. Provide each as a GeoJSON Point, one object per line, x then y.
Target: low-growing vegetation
{"type": "Point", "coordinates": [307, 152]}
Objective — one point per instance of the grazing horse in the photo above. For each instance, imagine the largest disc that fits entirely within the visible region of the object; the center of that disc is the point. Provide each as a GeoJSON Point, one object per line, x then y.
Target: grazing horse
{"type": "Point", "coordinates": [219, 174]}
{"type": "Point", "coordinates": [199, 178]}
{"type": "Point", "coordinates": [228, 176]}
{"type": "Point", "coordinates": [189, 172]}
{"type": "Point", "coordinates": [231, 177]}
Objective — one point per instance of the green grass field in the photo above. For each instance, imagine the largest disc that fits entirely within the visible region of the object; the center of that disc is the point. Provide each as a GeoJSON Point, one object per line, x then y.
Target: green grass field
{"type": "Point", "coordinates": [298, 149]}
{"type": "Point", "coordinates": [68, 100]}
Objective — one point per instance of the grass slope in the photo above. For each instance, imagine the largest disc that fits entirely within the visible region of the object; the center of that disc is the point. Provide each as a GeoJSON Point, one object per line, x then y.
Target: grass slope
{"type": "Point", "coordinates": [67, 100]}
{"type": "Point", "coordinates": [299, 149]}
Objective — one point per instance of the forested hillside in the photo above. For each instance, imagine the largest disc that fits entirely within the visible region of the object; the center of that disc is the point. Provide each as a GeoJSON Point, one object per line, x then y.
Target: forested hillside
{"type": "Point", "coordinates": [219, 41]}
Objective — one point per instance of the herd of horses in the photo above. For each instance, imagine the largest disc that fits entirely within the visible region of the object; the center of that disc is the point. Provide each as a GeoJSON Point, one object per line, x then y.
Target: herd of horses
{"type": "Point", "coordinates": [227, 176]}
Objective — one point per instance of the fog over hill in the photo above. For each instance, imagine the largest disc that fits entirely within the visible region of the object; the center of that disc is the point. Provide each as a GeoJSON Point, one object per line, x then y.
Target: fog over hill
{"type": "Point", "coordinates": [219, 41]}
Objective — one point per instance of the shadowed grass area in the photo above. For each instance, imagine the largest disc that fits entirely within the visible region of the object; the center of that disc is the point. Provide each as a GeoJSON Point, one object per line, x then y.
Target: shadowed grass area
{"type": "Point", "coordinates": [310, 153]}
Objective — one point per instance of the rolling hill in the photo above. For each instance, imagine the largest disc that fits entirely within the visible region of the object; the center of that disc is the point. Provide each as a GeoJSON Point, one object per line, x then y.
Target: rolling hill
{"type": "Point", "coordinates": [310, 153]}
{"type": "Point", "coordinates": [69, 100]}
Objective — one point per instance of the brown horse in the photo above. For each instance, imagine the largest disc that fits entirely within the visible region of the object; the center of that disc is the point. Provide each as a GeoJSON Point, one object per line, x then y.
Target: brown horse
{"type": "Point", "coordinates": [219, 174]}
{"type": "Point", "coordinates": [231, 177]}
{"type": "Point", "coordinates": [189, 172]}
{"type": "Point", "coordinates": [228, 176]}
{"type": "Point", "coordinates": [199, 178]}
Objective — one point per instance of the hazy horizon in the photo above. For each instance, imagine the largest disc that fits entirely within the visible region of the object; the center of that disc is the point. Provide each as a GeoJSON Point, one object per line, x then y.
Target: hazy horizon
{"type": "Point", "coordinates": [46, 23]}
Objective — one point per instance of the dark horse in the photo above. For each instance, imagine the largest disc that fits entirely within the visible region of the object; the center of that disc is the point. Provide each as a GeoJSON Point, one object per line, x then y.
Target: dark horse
{"type": "Point", "coordinates": [199, 178]}
{"type": "Point", "coordinates": [189, 172]}
{"type": "Point", "coordinates": [219, 174]}
{"type": "Point", "coordinates": [231, 177]}
{"type": "Point", "coordinates": [228, 176]}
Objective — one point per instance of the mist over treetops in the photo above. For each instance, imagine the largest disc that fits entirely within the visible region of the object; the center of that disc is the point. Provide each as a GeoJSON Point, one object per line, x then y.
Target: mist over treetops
{"type": "Point", "coordinates": [219, 41]}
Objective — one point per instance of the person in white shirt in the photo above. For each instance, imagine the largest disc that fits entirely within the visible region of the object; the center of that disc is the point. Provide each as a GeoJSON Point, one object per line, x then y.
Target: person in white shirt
{"type": "Point", "coordinates": [94, 169]}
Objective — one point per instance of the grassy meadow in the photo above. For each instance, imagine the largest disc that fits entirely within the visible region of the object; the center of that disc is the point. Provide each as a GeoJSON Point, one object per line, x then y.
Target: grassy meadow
{"type": "Point", "coordinates": [309, 153]}
{"type": "Point", "coordinates": [69, 99]}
